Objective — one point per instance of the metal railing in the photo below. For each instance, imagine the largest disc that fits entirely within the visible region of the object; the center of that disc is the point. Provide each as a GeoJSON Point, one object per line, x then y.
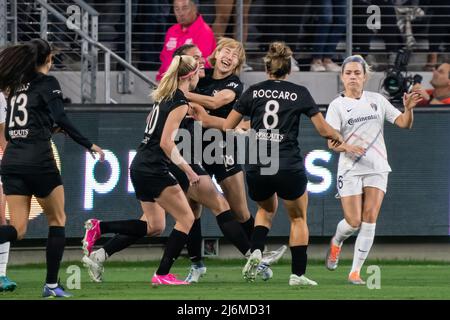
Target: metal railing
{"type": "Point", "coordinates": [72, 28]}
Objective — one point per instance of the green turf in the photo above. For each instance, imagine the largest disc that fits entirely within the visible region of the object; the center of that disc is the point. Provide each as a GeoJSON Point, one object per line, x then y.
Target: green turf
{"type": "Point", "coordinates": [399, 280]}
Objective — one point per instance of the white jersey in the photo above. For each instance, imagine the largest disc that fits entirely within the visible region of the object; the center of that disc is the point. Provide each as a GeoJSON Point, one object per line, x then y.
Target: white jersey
{"type": "Point", "coordinates": [361, 123]}
{"type": "Point", "coordinates": [3, 106]}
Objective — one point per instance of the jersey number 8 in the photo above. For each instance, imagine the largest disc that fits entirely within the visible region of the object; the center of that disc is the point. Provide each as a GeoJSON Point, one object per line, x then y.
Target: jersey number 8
{"type": "Point", "coordinates": [272, 107]}
{"type": "Point", "coordinates": [21, 100]}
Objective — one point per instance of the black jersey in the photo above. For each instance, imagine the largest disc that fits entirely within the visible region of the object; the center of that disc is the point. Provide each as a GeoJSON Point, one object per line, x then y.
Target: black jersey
{"type": "Point", "coordinates": [150, 158]}
{"type": "Point", "coordinates": [33, 111]}
{"type": "Point", "coordinates": [274, 108]}
{"type": "Point", "coordinates": [209, 87]}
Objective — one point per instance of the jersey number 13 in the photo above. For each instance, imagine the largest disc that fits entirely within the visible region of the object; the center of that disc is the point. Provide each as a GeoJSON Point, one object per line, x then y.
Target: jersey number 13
{"type": "Point", "coordinates": [19, 116]}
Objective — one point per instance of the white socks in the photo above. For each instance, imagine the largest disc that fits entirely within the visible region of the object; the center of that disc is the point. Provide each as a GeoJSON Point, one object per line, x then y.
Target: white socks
{"type": "Point", "coordinates": [4, 255]}
{"type": "Point", "coordinates": [343, 231]}
{"type": "Point", "coordinates": [363, 244]}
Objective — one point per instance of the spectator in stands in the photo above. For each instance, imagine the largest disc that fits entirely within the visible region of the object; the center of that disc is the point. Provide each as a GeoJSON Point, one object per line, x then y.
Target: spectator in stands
{"type": "Point", "coordinates": [330, 30]}
{"type": "Point", "coordinates": [440, 94]}
{"type": "Point", "coordinates": [438, 31]}
{"type": "Point", "coordinates": [190, 28]}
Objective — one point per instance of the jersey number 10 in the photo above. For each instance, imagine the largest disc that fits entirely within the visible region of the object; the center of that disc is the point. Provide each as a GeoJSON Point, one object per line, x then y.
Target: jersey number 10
{"type": "Point", "coordinates": [21, 102]}
{"type": "Point", "coordinates": [152, 120]}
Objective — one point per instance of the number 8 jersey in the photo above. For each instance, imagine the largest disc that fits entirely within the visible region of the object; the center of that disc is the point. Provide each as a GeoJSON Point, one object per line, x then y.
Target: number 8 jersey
{"type": "Point", "coordinates": [32, 112]}
{"type": "Point", "coordinates": [274, 108]}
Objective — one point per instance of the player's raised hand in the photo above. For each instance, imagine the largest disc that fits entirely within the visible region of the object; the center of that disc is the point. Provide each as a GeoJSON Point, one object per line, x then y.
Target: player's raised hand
{"type": "Point", "coordinates": [97, 150]}
{"type": "Point", "coordinates": [410, 100]}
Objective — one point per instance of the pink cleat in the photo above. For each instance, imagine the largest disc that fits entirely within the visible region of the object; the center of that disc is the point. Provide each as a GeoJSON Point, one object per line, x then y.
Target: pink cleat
{"type": "Point", "coordinates": [92, 234]}
{"type": "Point", "coordinates": [168, 279]}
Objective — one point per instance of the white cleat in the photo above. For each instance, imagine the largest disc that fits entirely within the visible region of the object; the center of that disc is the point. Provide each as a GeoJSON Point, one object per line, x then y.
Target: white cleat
{"type": "Point", "coordinates": [295, 280]}
{"type": "Point", "coordinates": [271, 257]}
{"type": "Point", "coordinates": [249, 271]}
{"type": "Point", "coordinates": [195, 274]}
{"type": "Point", "coordinates": [95, 268]}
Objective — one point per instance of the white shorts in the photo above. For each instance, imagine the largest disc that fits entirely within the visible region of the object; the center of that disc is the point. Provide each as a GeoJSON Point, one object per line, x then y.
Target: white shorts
{"type": "Point", "coordinates": [353, 185]}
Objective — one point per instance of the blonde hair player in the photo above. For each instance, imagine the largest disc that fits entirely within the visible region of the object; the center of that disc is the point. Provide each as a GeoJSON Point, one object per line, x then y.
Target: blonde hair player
{"type": "Point", "coordinates": [5, 283]}
{"type": "Point", "coordinates": [363, 168]}
{"type": "Point", "coordinates": [154, 185]}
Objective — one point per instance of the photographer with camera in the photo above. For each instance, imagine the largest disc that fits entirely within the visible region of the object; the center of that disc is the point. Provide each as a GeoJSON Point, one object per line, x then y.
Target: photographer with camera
{"type": "Point", "coordinates": [440, 94]}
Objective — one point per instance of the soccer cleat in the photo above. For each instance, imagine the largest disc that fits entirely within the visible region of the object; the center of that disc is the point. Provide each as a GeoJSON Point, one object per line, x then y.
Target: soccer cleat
{"type": "Point", "coordinates": [295, 280]}
{"type": "Point", "coordinates": [332, 259]}
{"type": "Point", "coordinates": [271, 257]}
{"type": "Point", "coordinates": [249, 271]}
{"type": "Point", "coordinates": [57, 292]}
{"type": "Point", "coordinates": [168, 279]}
{"type": "Point", "coordinates": [195, 273]}
{"type": "Point", "coordinates": [6, 284]}
{"type": "Point", "coordinates": [264, 271]}
{"type": "Point", "coordinates": [354, 278]}
{"type": "Point", "coordinates": [95, 267]}
{"type": "Point", "coordinates": [91, 235]}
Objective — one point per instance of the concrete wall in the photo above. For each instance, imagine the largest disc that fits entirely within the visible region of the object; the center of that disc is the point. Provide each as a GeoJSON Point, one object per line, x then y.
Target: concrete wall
{"type": "Point", "coordinates": [324, 86]}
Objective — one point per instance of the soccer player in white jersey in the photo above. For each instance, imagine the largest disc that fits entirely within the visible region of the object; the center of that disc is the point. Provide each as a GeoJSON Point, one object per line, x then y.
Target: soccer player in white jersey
{"type": "Point", "coordinates": [5, 283]}
{"type": "Point", "coordinates": [363, 167]}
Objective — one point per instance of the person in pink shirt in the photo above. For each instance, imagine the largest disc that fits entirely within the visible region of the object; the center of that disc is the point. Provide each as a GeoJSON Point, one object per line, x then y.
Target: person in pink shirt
{"type": "Point", "coordinates": [190, 29]}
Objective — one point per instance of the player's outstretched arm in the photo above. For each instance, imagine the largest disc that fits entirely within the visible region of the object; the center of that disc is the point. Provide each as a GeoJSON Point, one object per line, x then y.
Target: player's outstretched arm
{"type": "Point", "coordinates": [325, 130]}
{"type": "Point", "coordinates": [232, 121]}
{"type": "Point", "coordinates": [59, 116]}
{"type": "Point", "coordinates": [208, 121]}
{"type": "Point", "coordinates": [221, 98]}
{"type": "Point", "coordinates": [168, 146]}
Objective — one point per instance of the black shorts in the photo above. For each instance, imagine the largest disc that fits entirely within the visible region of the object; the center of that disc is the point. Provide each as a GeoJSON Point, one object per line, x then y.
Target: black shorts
{"type": "Point", "coordinates": [149, 187]}
{"type": "Point", "coordinates": [221, 171]}
{"type": "Point", "coordinates": [182, 177]}
{"type": "Point", "coordinates": [287, 184]}
{"type": "Point", "coordinates": [39, 185]}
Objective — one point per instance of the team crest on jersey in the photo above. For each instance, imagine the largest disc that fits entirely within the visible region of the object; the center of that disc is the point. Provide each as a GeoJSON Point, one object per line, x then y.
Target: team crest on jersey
{"type": "Point", "coordinates": [374, 106]}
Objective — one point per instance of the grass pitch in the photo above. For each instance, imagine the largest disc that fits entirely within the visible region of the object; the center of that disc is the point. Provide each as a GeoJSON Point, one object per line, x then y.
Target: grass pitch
{"type": "Point", "coordinates": [223, 281]}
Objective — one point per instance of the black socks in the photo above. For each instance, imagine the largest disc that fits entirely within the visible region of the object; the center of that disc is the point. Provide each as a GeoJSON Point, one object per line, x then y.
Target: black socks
{"type": "Point", "coordinates": [55, 248]}
{"type": "Point", "coordinates": [7, 234]}
{"type": "Point", "coordinates": [134, 227]}
{"type": "Point", "coordinates": [259, 238]}
{"type": "Point", "coordinates": [233, 231]}
{"type": "Point", "coordinates": [299, 259]}
{"type": "Point", "coordinates": [175, 244]}
{"type": "Point", "coordinates": [194, 242]}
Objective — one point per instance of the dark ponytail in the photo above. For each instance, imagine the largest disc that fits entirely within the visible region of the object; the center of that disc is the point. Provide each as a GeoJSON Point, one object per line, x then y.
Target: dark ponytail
{"type": "Point", "coordinates": [18, 63]}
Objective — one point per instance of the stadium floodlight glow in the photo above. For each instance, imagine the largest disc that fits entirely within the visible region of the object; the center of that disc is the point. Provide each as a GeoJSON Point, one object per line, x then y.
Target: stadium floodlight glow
{"type": "Point", "coordinates": [318, 171]}
{"type": "Point", "coordinates": [131, 155]}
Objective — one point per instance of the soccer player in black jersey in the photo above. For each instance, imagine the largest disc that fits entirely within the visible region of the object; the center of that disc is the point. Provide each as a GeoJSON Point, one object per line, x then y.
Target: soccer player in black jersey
{"type": "Point", "coordinates": [28, 166]}
{"type": "Point", "coordinates": [154, 185]}
{"type": "Point", "coordinates": [217, 92]}
{"type": "Point", "coordinates": [274, 107]}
